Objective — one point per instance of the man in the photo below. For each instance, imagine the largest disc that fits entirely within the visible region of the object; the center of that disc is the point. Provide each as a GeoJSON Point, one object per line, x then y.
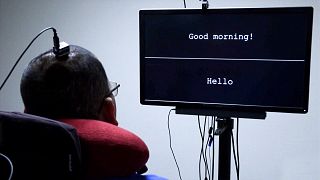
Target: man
{"type": "Point", "coordinates": [75, 90]}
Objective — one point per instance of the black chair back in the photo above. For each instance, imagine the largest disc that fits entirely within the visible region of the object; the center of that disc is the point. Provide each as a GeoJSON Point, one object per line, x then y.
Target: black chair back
{"type": "Point", "coordinates": [39, 148]}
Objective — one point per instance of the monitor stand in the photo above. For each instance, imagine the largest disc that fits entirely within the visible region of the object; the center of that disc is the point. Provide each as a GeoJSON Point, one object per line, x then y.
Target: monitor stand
{"type": "Point", "coordinates": [224, 131]}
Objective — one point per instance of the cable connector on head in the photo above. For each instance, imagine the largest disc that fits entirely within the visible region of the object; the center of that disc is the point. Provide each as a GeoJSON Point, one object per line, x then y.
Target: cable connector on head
{"type": "Point", "coordinates": [56, 42]}
{"type": "Point", "coordinates": [61, 50]}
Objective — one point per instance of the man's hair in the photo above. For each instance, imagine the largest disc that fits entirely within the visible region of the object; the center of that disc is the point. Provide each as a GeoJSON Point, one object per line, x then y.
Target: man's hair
{"type": "Point", "coordinates": [64, 88]}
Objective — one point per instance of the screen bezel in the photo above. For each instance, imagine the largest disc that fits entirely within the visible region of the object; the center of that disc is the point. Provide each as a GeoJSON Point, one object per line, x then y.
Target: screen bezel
{"type": "Point", "coordinates": [229, 107]}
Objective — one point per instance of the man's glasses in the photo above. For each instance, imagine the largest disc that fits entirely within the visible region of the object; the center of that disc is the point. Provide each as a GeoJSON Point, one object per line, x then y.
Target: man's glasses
{"type": "Point", "coordinates": [113, 88]}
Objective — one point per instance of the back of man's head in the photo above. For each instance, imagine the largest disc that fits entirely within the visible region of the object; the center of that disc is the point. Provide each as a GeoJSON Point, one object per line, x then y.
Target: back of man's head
{"type": "Point", "coordinates": [64, 88]}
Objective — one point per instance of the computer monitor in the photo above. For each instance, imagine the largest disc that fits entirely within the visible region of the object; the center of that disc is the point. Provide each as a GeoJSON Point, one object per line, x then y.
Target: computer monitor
{"type": "Point", "coordinates": [236, 59]}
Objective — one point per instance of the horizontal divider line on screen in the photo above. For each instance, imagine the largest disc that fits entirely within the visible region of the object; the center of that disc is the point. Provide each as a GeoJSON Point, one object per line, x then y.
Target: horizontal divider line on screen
{"type": "Point", "coordinates": [227, 59]}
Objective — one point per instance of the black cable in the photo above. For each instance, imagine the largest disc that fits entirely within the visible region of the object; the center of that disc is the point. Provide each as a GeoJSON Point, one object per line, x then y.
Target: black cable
{"type": "Point", "coordinates": [210, 138]}
{"type": "Point", "coordinates": [207, 169]}
{"type": "Point", "coordinates": [204, 148]}
{"type": "Point", "coordinates": [184, 2]}
{"type": "Point", "coordinates": [170, 142]}
{"type": "Point", "coordinates": [234, 155]}
{"type": "Point", "coordinates": [203, 152]}
{"type": "Point", "coordinates": [210, 143]}
{"type": "Point", "coordinates": [44, 30]}
{"type": "Point", "coordinates": [238, 173]}
{"type": "Point", "coordinates": [213, 153]}
{"type": "Point", "coordinates": [201, 134]}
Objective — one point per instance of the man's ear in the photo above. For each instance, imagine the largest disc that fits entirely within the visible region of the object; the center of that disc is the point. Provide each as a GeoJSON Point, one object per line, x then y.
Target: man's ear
{"type": "Point", "coordinates": [108, 111]}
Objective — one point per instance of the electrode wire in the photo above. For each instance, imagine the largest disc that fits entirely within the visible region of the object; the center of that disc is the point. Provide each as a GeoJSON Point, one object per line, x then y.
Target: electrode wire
{"type": "Point", "coordinates": [16, 63]}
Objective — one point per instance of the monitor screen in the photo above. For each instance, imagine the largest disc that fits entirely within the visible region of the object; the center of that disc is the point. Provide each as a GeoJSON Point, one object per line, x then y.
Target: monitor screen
{"type": "Point", "coordinates": [238, 59]}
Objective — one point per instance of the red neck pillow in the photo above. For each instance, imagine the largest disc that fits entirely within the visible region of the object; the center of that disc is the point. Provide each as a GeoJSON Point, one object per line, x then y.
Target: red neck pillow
{"type": "Point", "coordinates": [108, 150]}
